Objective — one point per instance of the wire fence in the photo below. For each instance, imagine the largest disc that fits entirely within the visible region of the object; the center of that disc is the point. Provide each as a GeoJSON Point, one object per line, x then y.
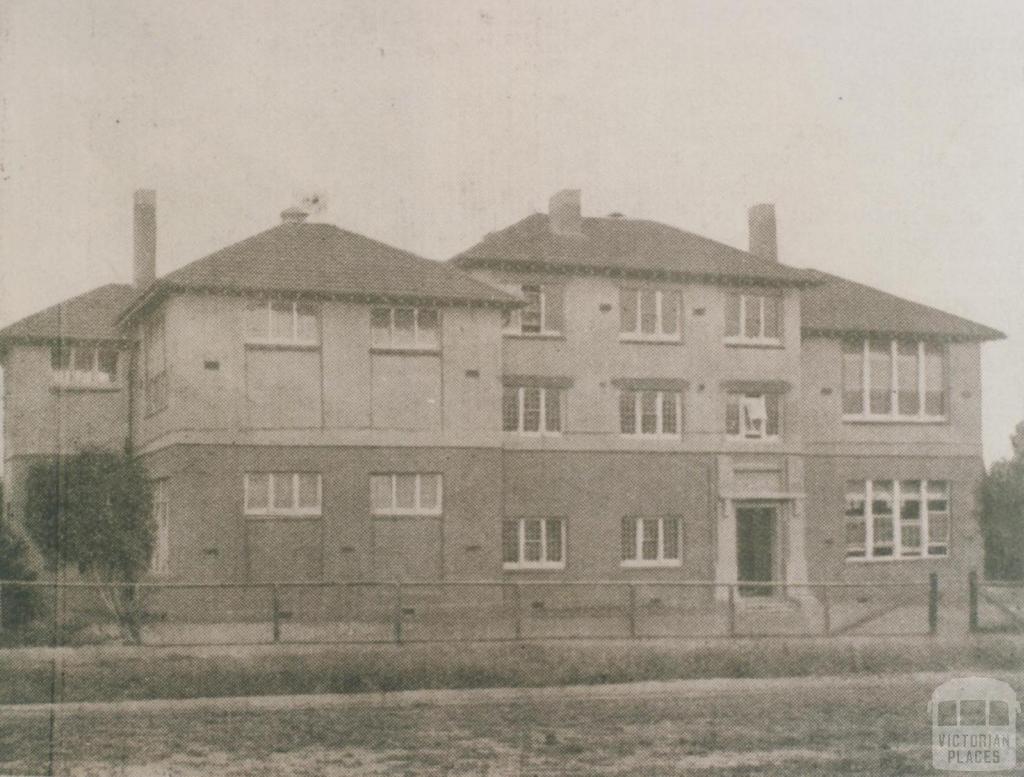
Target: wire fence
{"type": "Point", "coordinates": [363, 612]}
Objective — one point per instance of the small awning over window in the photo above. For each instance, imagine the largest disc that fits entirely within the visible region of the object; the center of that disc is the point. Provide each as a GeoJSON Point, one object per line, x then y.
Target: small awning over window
{"type": "Point", "coordinates": [540, 381]}
{"type": "Point", "coordinates": [650, 384]}
{"type": "Point", "coordinates": [757, 386]}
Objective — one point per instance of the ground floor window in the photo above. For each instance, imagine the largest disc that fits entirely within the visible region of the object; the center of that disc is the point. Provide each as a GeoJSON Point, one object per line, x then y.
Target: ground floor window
{"type": "Point", "coordinates": [651, 541]}
{"type": "Point", "coordinates": [401, 493]}
{"type": "Point", "coordinates": [533, 543]}
{"type": "Point", "coordinates": [897, 518]}
{"type": "Point", "coordinates": [160, 561]}
{"type": "Point", "coordinates": [283, 493]}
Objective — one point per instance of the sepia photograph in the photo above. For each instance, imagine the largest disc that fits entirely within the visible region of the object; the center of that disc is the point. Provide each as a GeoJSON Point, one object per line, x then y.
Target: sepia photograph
{"type": "Point", "coordinates": [524, 388]}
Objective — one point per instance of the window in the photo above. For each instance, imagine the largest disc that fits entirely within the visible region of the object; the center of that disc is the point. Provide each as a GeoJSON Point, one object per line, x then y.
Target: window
{"type": "Point", "coordinates": [405, 494]}
{"type": "Point", "coordinates": [752, 416]}
{"type": "Point", "coordinates": [543, 313]}
{"type": "Point", "coordinates": [650, 412]}
{"type": "Point", "coordinates": [894, 380]}
{"type": "Point", "coordinates": [651, 542]}
{"type": "Point", "coordinates": [283, 493]}
{"type": "Point", "coordinates": [84, 365]}
{"type": "Point", "coordinates": [897, 518]}
{"type": "Point", "coordinates": [532, 409]}
{"type": "Point", "coordinates": [159, 563]}
{"type": "Point", "coordinates": [753, 318]}
{"type": "Point", "coordinates": [406, 328]}
{"type": "Point", "coordinates": [282, 322]}
{"type": "Point", "coordinates": [533, 543]}
{"type": "Point", "coordinates": [155, 345]}
{"type": "Point", "coordinates": [650, 314]}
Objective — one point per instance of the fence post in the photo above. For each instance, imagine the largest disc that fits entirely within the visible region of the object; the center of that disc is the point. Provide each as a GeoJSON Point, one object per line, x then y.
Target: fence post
{"type": "Point", "coordinates": [972, 600]}
{"type": "Point", "coordinates": [398, 613]}
{"type": "Point", "coordinates": [933, 603]}
{"type": "Point", "coordinates": [632, 610]}
{"type": "Point", "coordinates": [826, 615]}
{"type": "Point", "coordinates": [732, 610]}
{"type": "Point", "coordinates": [1, 607]}
{"type": "Point", "coordinates": [275, 603]}
{"type": "Point", "coordinates": [518, 604]}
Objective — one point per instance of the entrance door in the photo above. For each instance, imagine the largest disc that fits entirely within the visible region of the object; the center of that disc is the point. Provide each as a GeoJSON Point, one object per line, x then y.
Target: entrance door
{"type": "Point", "coordinates": [755, 539]}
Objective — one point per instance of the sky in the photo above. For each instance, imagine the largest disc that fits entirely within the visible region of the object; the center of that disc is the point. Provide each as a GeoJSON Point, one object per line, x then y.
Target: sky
{"type": "Point", "coordinates": [889, 134]}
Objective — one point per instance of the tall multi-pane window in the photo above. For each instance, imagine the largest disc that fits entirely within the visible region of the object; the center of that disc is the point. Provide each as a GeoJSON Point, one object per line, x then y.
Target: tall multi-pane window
{"type": "Point", "coordinates": [282, 322]}
{"type": "Point", "coordinates": [283, 493]}
{"type": "Point", "coordinates": [533, 543]}
{"type": "Point", "coordinates": [650, 314]}
{"type": "Point", "coordinates": [532, 409]}
{"type": "Point", "coordinates": [405, 493]}
{"type": "Point", "coordinates": [753, 318]}
{"type": "Point", "coordinates": [418, 328]}
{"type": "Point", "coordinates": [155, 363]}
{"type": "Point", "coordinates": [753, 416]}
{"type": "Point", "coordinates": [650, 412]}
{"type": "Point", "coordinates": [84, 365]}
{"type": "Point", "coordinates": [897, 518]}
{"type": "Point", "coordinates": [886, 379]}
{"type": "Point", "coordinates": [651, 541]}
{"type": "Point", "coordinates": [543, 313]}
{"type": "Point", "coordinates": [160, 561]}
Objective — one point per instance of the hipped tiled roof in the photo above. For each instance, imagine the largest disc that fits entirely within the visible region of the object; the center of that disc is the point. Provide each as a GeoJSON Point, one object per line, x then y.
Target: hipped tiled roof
{"type": "Point", "coordinates": [89, 316]}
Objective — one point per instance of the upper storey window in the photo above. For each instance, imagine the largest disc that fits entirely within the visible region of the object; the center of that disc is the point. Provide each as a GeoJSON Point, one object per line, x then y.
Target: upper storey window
{"type": "Point", "coordinates": [650, 315]}
{"type": "Point", "coordinates": [650, 413]}
{"type": "Point", "coordinates": [753, 318]}
{"type": "Point", "coordinates": [282, 322]}
{"type": "Point", "coordinates": [894, 380]}
{"type": "Point", "coordinates": [84, 365]}
{"type": "Point", "coordinates": [155, 362]}
{"type": "Point", "coordinates": [417, 328]}
{"type": "Point", "coordinates": [543, 315]}
{"type": "Point", "coordinates": [752, 416]}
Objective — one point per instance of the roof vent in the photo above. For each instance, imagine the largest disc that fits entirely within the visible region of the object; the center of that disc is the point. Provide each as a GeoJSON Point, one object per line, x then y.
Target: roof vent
{"type": "Point", "coordinates": [294, 215]}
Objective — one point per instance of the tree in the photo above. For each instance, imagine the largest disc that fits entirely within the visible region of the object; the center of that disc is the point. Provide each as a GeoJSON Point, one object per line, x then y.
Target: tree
{"type": "Point", "coordinates": [18, 604]}
{"type": "Point", "coordinates": [92, 511]}
{"type": "Point", "coordinates": [1002, 513]}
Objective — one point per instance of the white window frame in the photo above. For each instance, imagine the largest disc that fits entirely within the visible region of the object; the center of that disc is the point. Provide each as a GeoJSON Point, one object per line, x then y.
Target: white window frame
{"type": "Point", "coordinates": [160, 561]}
{"type": "Point", "coordinates": [393, 509]}
{"type": "Point", "coordinates": [295, 510]}
{"type": "Point", "coordinates": [521, 535]}
{"type": "Point", "coordinates": [894, 415]}
{"type": "Point", "coordinates": [545, 392]}
{"type": "Point", "coordinates": [417, 344]}
{"type": "Point", "coordinates": [514, 323]}
{"type": "Point", "coordinates": [92, 377]}
{"type": "Point", "coordinates": [638, 561]}
{"type": "Point", "coordinates": [897, 523]}
{"type": "Point", "coordinates": [294, 340]}
{"type": "Point", "coordinates": [660, 410]}
{"type": "Point", "coordinates": [741, 399]}
{"type": "Point", "coordinates": [659, 335]}
{"type": "Point", "coordinates": [761, 339]}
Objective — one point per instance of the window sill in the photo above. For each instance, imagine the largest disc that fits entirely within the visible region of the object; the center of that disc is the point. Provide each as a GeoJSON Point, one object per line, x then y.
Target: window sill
{"type": "Point", "coordinates": [281, 345]}
{"type": "Point", "coordinates": [639, 340]}
{"type": "Point", "coordinates": [743, 342]}
{"type": "Point", "coordinates": [413, 350]}
{"type": "Point", "coordinates": [897, 419]}
{"type": "Point", "coordinates": [672, 437]}
{"type": "Point", "coordinates": [754, 440]}
{"type": "Point", "coordinates": [534, 335]}
{"type": "Point", "coordinates": [407, 514]}
{"type": "Point", "coordinates": [660, 564]}
{"type": "Point", "coordinates": [534, 567]}
{"type": "Point", "coordinates": [284, 515]}
{"type": "Point", "coordinates": [893, 559]}
{"type": "Point", "coordinates": [61, 387]}
{"type": "Point", "coordinates": [531, 435]}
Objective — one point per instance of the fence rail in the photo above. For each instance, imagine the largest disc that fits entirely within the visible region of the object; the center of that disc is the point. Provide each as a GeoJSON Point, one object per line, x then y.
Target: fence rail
{"type": "Point", "coordinates": [365, 612]}
{"type": "Point", "coordinates": [995, 605]}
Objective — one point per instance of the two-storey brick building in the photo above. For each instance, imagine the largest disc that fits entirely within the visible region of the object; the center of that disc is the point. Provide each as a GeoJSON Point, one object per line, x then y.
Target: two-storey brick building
{"type": "Point", "coordinates": [572, 398]}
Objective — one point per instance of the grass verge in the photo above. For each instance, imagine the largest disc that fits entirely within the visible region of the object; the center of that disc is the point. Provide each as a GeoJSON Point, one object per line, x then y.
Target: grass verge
{"type": "Point", "coordinates": [30, 678]}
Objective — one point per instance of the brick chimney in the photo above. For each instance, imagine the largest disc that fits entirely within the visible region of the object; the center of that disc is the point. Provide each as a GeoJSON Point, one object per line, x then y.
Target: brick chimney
{"type": "Point", "coordinates": [564, 212]}
{"type": "Point", "coordinates": [144, 271]}
{"type": "Point", "coordinates": [763, 241]}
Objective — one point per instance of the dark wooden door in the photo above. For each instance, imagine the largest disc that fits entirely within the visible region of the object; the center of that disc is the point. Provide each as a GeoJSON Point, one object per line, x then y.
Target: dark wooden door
{"type": "Point", "coordinates": [755, 538]}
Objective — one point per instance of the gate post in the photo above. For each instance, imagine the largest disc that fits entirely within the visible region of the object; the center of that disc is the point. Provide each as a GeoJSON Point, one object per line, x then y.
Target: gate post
{"type": "Point", "coordinates": [826, 614]}
{"type": "Point", "coordinates": [732, 610]}
{"type": "Point", "coordinates": [632, 611]}
{"type": "Point", "coordinates": [933, 603]}
{"type": "Point", "coordinates": [972, 601]}
{"type": "Point", "coordinates": [398, 613]}
{"type": "Point", "coordinates": [517, 604]}
{"type": "Point", "coordinates": [275, 604]}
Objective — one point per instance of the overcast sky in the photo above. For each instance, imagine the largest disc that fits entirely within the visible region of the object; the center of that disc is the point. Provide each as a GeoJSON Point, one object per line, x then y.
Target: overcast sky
{"type": "Point", "coordinates": [888, 133]}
